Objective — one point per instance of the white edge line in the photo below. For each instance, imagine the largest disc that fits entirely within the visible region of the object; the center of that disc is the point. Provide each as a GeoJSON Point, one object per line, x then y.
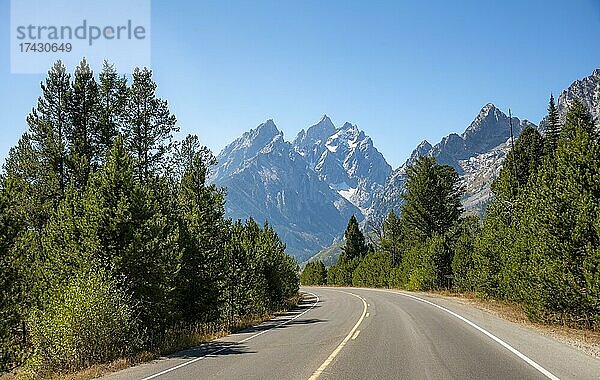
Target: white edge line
{"type": "Point", "coordinates": [529, 361]}
{"type": "Point", "coordinates": [337, 350]}
{"type": "Point", "coordinates": [241, 341]}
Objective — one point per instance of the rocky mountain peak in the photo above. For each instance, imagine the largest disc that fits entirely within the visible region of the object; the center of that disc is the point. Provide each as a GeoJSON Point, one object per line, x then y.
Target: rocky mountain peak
{"type": "Point", "coordinates": [587, 90]}
{"type": "Point", "coordinates": [244, 148]}
{"type": "Point", "coordinates": [487, 117]}
{"type": "Point", "coordinates": [325, 125]}
{"type": "Point", "coordinates": [423, 149]}
{"type": "Point", "coordinates": [325, 119]}
{"type": "Point", "coordinates": [424, 145]}
{"type": "Point", "coordinates": [268, 128]}
{"type": "Point", "coordinates": [348, 126]}
{"type": "Point", "coordinates": [277, 143]}
{"type": "Point", "coordinates": [348, 136]}
{"type": "Point", "coordinates": [487, 108]}
{"type": "Point", "coordinates": [315, 134]}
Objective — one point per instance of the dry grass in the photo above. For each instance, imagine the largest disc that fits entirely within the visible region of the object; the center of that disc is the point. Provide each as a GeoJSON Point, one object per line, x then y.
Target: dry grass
{"type": "Point", "coordinates": [583, 339]}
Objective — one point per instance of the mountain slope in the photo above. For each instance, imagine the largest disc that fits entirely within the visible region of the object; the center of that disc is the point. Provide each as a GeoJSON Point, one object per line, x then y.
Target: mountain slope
{"type": "Point", "coordinates": [345, 158]}
{"type": "Point", "coordinates": [308, 189]}
{"type": "Point", "coordinates": [266, 179]}
{"type": "Point", "coordinates": [587, 90]}
{"type": "Point", "coordinates": [476, 155]}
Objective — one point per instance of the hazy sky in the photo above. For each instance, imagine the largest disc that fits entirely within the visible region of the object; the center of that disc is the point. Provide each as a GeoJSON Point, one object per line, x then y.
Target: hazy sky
{"type": "Point", "coordinates": [402, 70]}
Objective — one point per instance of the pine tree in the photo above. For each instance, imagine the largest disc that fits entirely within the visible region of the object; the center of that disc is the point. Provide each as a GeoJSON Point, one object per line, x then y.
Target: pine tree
{"type": "Point", "coordinates": [391, 241]}
{"type": "Point", "coordinates": [246, 284]}
{"type": "Point", "coordinates": [112, 92]}
{"type": "Point", "coordinates": [463, 245]}
{"type": "Point", "coordinates": [149, 128]}
{"type": "Point", "coordinates": [10, 288]}
{"type": "Point", "coordinates": [373, 271]}
{"type": "Point", "coordinates": [578, 117]}
{"type": "Point", "coordinates": [431, 200]}
{"type": "Point", "coordinates": [22, 181]}
{"type": "Point", "coordinates": [354, 246]}
{"type": "Point", "coordinates": [496, 260]}
{"type": "Point", "coordinates": [314, 273]}
{"type": "Point", "coordinates": [523, 161]}
{"type": "Point", "coordinates": [235, 262]}
{"type": "Point", "coordinates": [562, 231]}
{"type": "Point", "coordinates": [280, 270]}
{"type": "Point", "coordinates": [201, 226]}
{"type": "Point", "coordinates": [84, 113]}
{"type": "Point", "coordinates": [69, 242]}
{"type": "Point", "coordinates": [553, 127]}
{"type": "Point", "coordinates": [138, 243]}
{"type": "Point", "coordinates": [49, 124]}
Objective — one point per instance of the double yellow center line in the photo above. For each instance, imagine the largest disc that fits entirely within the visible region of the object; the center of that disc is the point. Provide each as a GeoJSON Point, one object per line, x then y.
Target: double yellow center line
{"type": "Point", "coordinates": [351, 335]}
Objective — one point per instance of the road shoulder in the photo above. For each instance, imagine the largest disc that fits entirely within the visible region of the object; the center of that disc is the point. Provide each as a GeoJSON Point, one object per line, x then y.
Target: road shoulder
{"type": "Point", "coordinates": [585, 340]}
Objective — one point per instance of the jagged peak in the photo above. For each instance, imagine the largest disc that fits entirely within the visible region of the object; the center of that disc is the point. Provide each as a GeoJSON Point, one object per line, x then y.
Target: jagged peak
{"type": "Point", "coordinates": [276, 143]}
{"type": "Point", "coordinates": [315, 133]}
{"type": "Point", "coordinates": [488, 107]}
{"type": "Point", "coordinates": [268, 129]}
{"type": "Point", "coordinates": [424, 145]}
{"type": "Point", "coordinates": [596, 73]}
{"type": "Point", "coordinates": [488, 111]}
{"type": "Point", "coordinates": [348, 126]}
{"type": "Point", "coordinates": [269, 125]}
{"type": "Point", "coordinates": [325, 124]}
{"type": "Point", "coordinates": [257, 137]}
{"type": "Point", "coordinates": [325, 119]}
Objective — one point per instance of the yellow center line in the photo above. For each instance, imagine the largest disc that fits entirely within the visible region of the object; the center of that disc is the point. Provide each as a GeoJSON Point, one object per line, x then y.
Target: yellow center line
{"type": "Point", "coordinates": [337, 350]}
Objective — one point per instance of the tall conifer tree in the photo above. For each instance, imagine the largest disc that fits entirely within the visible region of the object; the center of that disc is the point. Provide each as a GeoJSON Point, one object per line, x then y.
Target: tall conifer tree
{"type": "Point", "coordinates": [49, 124]}
{"type": "Point", "coordinates": [84, 112]}
{"type": "Point", "coordinates": [553, 127]}
{"type": "Point", "coordinates": [112, 92]}
{"type": "Point", "coordinates": [354, 245]}
{"type": "Point", "coordinates": [149, 128]}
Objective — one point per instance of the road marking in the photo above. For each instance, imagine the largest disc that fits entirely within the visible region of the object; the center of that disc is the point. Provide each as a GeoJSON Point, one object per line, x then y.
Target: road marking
{"type": "Point", "coordinates": [525, 358]}
{"type": "Point", "coordinates": [355, 334]}
{"type": "Point", "coordinates": [368, 315]}
{"type": "Point", "coordinates": [241, 341]}
{"type": "Point", "coordinates": [328, 361]}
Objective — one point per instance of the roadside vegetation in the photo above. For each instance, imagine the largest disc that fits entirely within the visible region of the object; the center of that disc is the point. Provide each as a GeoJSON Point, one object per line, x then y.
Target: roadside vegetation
{"type": "Point", "coordinates": [112, 243]}
{"type": "Point", "coordinates": [538, 244]}
{"type": "Point", "coordinates": [314, 273]}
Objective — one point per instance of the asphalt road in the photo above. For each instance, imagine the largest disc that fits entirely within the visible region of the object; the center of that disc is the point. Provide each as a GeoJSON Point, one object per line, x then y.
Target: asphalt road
{"type": "Point", "coordinates": [351, 333]}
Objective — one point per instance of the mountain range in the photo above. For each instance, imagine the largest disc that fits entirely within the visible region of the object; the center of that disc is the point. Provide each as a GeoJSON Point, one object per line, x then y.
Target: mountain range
{"type": "Point", "coordinates": [308, 188]}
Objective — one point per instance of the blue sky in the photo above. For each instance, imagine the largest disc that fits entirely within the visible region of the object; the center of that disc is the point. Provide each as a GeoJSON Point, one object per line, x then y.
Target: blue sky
{"type": "Point", "coordinates": [402, 70]}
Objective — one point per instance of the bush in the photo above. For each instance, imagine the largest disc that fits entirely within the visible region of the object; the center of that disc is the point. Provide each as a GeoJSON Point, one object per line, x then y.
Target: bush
{"type": "Point", "coordinates": [419, 269]}
{"type": "Point", "coordinates": [396, 278]}
{"type": "Point", "coordinates": [314, 273]}
{"type": "Point", "coordinates": [340, 274]}
{"type": "Point", "coordinates": [462, 259]}
{"type": "Point", "coordinates": [373, 271]}
{"type": "Point", "coordinates": [85, 322]}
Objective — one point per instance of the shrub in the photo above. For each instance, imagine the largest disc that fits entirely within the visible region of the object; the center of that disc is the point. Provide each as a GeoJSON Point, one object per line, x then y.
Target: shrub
{"type": "Point", "coordinates": [419, 269]}
{"type": "Point", "coordinates": [314, 273]}
{"type": "Point", "coordinates": [373, 271]}
{"type": "Point", "coordinates": [87, 321]}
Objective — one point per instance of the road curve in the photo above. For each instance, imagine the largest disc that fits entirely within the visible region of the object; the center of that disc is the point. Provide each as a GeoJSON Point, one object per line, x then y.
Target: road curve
{"type": "Point", "coordinates": [355, 333]}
